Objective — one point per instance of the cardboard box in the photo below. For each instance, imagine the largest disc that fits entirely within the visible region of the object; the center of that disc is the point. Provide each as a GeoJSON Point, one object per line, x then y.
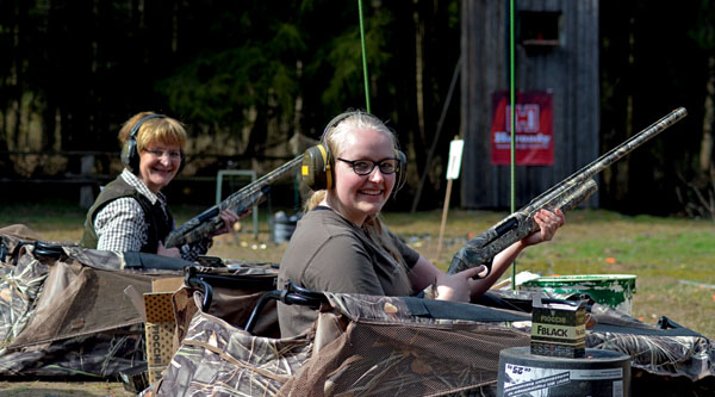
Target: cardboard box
{"type": "Point", "coordinates": [558, 328]}
{"type": "Point", "coordinates": [160, 324]}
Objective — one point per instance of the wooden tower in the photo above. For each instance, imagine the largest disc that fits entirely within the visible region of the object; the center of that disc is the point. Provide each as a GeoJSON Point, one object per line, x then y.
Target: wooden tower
{"type": "Point", "coordinates": [556, 70]}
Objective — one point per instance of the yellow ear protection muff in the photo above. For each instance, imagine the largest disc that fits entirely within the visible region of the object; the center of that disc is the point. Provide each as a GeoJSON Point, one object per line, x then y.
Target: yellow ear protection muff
{"type": "Point", "coordinates": [130, 153]}
{"type": "Point", "coordinates": [316, 170]}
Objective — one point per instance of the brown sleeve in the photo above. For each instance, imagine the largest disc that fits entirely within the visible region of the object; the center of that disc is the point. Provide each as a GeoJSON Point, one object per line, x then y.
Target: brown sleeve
{"type": "Point", "coordinates": [410, 255]}
{"type": "Point", "coordinates": [342, 265]}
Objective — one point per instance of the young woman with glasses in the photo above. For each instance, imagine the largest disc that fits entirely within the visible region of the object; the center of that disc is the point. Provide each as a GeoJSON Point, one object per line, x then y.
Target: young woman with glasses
{"type": "Point", "coordinates": [341, 245]}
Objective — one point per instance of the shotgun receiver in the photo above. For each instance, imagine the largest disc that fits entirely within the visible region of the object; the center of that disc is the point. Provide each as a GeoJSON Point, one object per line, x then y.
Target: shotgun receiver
{"type": "Point", "coordinates": [564, 195]}
{"type": "Point", "coordinates": [206, 223]}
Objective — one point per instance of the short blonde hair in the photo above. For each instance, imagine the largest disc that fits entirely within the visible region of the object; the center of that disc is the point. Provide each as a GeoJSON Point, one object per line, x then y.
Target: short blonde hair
{"type": "Point", "coordinates": [162, 129]}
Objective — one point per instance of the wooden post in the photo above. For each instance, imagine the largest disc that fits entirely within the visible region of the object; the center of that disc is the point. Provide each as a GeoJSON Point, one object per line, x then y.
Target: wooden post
{"type": "Point", "coordinates": [445, 209]}
{"type": "Point", "coordinates": [453, 166]}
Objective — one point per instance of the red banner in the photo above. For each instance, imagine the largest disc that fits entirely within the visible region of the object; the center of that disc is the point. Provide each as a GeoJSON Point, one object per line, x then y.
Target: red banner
{"type": "Point", "coordinates": [534, 138]}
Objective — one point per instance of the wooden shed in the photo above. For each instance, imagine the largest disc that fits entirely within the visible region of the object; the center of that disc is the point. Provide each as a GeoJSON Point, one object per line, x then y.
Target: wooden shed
{"type": "Point", "coordinates": [557, 76]}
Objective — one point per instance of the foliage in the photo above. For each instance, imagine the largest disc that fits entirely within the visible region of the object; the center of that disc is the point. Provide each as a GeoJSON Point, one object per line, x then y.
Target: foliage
{"type": "Point", "coordinates": [704, 30]}
{"type": "Point", "coordinates": [344, 57]}
{"type": "Point", "coordinates": [261, 72]}
{"type": "Point", "coordinates": [217, 85]}
{"type": "Point", "coordinates": [649, 66]}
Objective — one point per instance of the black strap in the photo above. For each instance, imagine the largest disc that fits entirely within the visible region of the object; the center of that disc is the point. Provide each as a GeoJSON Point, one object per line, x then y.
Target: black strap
{"type": "Point", "coordinates": [49, 250]}
{"type": "Point", "coordinates": [293, 294]}
{"type": "Point", "coordinates": [143, 260]}
{"type": "Point", "coordinates": [460, 311]}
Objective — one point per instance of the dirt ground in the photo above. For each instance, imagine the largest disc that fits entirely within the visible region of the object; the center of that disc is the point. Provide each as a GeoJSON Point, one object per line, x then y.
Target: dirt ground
{"type": "Point", "coordinates": [63, 389]}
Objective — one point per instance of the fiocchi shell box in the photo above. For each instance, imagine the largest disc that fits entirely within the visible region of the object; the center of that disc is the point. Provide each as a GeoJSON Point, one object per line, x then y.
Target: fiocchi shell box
{"type": "Point", "coordinates": [160, 324]}
{"type": "Point", "coordinates": [558, 328]}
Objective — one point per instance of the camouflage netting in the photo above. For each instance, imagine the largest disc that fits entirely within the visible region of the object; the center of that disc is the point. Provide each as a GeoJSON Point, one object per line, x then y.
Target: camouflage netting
{"type": "Point", "coordinates": [361, 345]}
{"type": "Point", "coordinates": [376, 346]}
{"type": "Point", "coordinates": [65, 313]}
{"type": "Point", "coordinates": [677, 352]}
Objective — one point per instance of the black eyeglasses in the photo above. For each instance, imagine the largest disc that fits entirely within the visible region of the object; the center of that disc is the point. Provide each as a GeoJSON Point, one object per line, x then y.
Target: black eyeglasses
{"type": "Point", "coordinates": [365, 167]}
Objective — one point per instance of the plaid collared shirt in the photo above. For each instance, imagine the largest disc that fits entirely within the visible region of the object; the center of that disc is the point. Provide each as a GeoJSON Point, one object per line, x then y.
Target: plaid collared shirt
{"type": "Point", "coordinates": [121, 227]}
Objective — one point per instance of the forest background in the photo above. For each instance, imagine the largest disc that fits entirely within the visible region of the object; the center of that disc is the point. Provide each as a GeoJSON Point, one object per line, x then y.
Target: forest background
{"type": "Point", "coordinates": [256, 81]}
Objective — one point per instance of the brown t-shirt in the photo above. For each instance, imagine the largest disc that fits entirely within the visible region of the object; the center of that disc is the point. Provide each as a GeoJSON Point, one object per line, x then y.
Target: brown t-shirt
{"type": "Point", "coordinates": [329, 253]}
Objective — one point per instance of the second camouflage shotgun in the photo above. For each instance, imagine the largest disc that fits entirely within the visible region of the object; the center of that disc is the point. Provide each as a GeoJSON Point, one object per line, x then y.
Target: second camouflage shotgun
{"type": "Point", "coordinates": [564, 195]}
{"type": "Point", "coordinates": [204, 224]}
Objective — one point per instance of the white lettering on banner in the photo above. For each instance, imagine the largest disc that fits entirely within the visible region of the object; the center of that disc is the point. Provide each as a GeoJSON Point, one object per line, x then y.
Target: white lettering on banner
{"type": "Point", "coordinates": [535, 140]}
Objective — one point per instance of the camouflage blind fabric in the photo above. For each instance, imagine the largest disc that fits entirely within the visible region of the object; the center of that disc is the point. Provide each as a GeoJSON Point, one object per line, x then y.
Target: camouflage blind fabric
{"type": "Point", "coordinates": [361, 345]}
{"type": "Point", "coordinates": [19, 287]}
{"type": "Point", "coordinates": [372, 359]}
{"type": "Point", "coordinates": [67, 316]}
{"type": "Point", "coordinates": [376, 346]}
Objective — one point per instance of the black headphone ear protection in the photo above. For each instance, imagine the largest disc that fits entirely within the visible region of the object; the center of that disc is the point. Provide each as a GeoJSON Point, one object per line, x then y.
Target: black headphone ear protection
{"type": "Point", "coordinates": [401, 171]}
{"type": "Point", "coordinates": [130, 153]}
{"type": "Point", "coordinates": [317, 167]}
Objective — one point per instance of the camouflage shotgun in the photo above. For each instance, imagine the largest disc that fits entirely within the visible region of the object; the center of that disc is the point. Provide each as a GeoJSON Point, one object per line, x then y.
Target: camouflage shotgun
{"type": "Point", "coordinates": [207, 222]}
{"type": "Point", "coordinates": [565, 195]}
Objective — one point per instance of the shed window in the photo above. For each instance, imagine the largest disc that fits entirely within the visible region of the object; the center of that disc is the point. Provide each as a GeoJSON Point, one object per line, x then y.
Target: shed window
{"type": "Point", "coordinates": [539, 28]}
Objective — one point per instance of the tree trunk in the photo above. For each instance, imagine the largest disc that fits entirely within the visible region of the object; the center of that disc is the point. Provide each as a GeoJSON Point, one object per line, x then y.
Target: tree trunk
{"type": "Point", "coordinates": [706, 145]}
{"type": "Point", "coordinates": [419, 65]}
{"type": "Point", "coordinates": [622, 176]}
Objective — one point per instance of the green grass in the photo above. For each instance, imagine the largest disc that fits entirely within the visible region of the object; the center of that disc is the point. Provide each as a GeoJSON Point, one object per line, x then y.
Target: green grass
{"type": "Point", "coordinates": [672, 258]}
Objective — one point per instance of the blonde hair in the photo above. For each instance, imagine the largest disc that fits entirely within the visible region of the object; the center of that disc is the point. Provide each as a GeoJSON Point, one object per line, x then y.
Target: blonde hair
{"type": "Point", "coordinates": [163, 130]}
{"type": "Point", "coordinates": [335, 138]}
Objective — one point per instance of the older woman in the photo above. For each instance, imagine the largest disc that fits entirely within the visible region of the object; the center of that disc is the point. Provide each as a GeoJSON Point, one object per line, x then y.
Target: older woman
{"type": "Point", "coordinates": [341, 245]}
{"type": "Point", "coordinates": [131, 213]}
